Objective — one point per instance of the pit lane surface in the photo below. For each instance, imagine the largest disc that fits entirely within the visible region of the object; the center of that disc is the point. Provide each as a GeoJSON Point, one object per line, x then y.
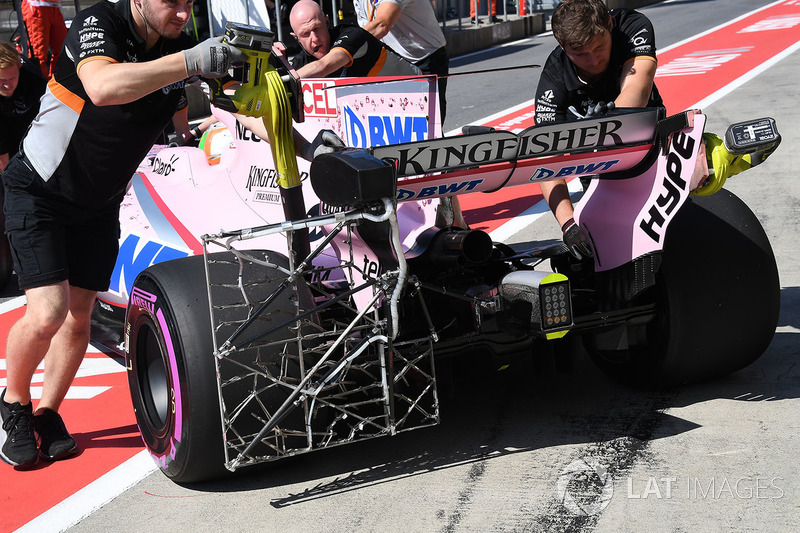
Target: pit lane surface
{"type": "Point", "coordinates": [718, 456]}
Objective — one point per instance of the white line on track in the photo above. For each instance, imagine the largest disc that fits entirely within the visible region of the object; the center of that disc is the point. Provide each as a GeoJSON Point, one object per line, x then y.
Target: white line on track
{"type": "Point", "coordinates": [93, 496]}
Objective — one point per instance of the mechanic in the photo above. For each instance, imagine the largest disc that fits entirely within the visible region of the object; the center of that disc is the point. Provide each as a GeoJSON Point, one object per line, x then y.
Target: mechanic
{"type": "Point", "coordinates": [113, 90]}
{"type": "Point", "coordinates": [46, 29]}
{"type": "Point", "coordinates": [410, 28]}
{"type": "Point", "coordinates": [21, 86]}
{"type": "Point", "coordinates": [603, 57]}
{"type": "Point", "coordinates": [344, 50]}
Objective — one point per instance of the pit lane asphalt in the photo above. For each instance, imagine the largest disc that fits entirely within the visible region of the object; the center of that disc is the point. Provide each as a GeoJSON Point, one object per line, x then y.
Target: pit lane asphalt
{"type": "Point", "coordinates": [719, 456]}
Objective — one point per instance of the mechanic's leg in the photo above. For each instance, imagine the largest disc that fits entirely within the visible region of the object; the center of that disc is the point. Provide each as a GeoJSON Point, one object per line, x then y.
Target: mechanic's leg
{"type": "Point", "coordinates": [67, 349]}
{"type": "Point", "coordinates": [458, 215]}
{"type": "Point", "coordinates": [58, 32]}
{"type": "Point", "coordinates": [37, 34]}
{"type": "Point", "coordinates": [30, 338]}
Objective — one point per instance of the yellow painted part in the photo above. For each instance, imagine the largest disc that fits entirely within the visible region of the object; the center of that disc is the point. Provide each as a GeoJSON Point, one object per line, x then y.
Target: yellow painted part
{"type": "Point", "coordinates": [555, 277]}
{"type": "Point", "coordinates": [267, 98]}
{"type": "Point", "coordinates": [556, 334]}
{"type": "Point", "coordinates": [279, 130]}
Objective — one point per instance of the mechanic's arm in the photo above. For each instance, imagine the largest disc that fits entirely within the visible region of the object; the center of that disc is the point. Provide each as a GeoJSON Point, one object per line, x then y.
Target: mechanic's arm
{"type": "Point", "coordinates": [110, 83]}
{"type": "Point", "coordinates": [257, 128]}
{"type": "Point", "coordinates": [330, 62]}
{"type": "Point", "coordinates": [386, 14]}
{"type": "Point", "coordinates": [636, 83]}
{"type": "Point", "coordinates": [180, 121]}
{"type": "Point", "coordinates": [556, 195]}
{"type": "Point", "coordinates": [3, 161]}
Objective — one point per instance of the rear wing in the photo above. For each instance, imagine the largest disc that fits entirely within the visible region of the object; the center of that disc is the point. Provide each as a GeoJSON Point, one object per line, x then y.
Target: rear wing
{"type": "Point", "coordinates": [626, 129]}
{"type": "Point", "coordinates": [619, 145]}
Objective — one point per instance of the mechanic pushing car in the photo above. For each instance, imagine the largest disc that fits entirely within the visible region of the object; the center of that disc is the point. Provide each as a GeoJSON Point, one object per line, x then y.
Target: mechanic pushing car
{"type": "Point", "coordinates": [115, 87]}
{"type": "Point", "coordinates": [603, 57]}
{"type": "Point", "coordinates": [607, 59]}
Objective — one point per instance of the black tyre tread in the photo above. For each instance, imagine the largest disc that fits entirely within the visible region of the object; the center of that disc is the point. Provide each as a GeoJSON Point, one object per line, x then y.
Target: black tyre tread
{"type": "Point", "coordinates": [718, 293]}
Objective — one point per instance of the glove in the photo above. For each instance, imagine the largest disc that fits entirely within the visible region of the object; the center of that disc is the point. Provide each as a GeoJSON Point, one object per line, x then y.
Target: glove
{"type": "Point", "coordinates": [601, 108]}
{"type": "Point", "coordinates": [723, 163]}
{"type": "Point", "coordinates": [325, 142]}
{"type": "Point", "coordinates": [212, 58]}
{"type": "Point", "coordinates": [576, 240]}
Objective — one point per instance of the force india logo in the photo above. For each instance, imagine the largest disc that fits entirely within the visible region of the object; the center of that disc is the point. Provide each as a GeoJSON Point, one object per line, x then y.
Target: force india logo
{"type": "Point", "coordinates": [450, 153]}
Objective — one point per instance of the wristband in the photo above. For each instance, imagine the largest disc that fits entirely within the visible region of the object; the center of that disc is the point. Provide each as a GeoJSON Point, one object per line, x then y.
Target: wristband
{"type": "Point", "coordinates": [568, 224]}
{"type": "Point", "coordinates": [195, 132]}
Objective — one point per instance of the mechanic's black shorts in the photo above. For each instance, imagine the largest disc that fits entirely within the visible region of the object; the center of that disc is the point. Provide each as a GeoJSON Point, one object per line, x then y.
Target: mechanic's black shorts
{"type": "Point", "coordinates": [53, 240]}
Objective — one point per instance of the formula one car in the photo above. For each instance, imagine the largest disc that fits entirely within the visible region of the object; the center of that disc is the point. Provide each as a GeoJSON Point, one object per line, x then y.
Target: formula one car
{"type": "Point", "coordinates": [250, 337]}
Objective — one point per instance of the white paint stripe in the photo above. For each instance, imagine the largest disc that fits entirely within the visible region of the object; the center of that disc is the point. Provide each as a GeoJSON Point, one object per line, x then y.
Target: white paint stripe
{"type": "Point", "coordinates": [735, 84]}
{"type": "Point", "coordinates": [12, 304]}
{"type": "Point", "coordinates": [529, 216]}
{"type": "Point", "coordinates": [96, 494]}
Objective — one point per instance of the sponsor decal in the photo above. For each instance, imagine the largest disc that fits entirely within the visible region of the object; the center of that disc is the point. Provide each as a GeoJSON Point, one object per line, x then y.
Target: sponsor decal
{"type": "Point", "coordinates": [382, 130]}
{"type": "Point", "coordinates": [165, 168]}
{"type": "Point", "coordinates": [451, 153]}
{"type": "Point", "coordinates": [573, 170]}
{"type": "Point", "coordinates": [267, 197]}
{"type": "Point", "coordinates": [91, 35]}
{"type": "Point", "coordinates": [145, 300]}
{"type": "Point", "coordinates": [325, 209]}
{"type": "Point", "coordinates": [673, 186]}
{"type": "Point", "coordinates": [91, 20]}
{"type": "Point", "coordinates": [173, 87]}
{"type": "Point", "coordinates": [370, 269]}
{"type": "Point", "coordinates": [92, 44]}
{"type": "Point", "coordinates": [136, 254]}
{"type": "Point", "coordinates": [317, 102]}
{"type": "Point", "coordinates": [439, 190]}
{"type": "Point", "coordinates": [244, 134]}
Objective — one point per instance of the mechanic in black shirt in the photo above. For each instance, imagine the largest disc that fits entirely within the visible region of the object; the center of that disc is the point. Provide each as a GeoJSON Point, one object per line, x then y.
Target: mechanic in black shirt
{"type": "Point", "coordinates": [604, 56]}
{"type": "Point", "coordinates": [21, 87]}
{"type": "Point", "coordinates": [115, 87]}
{"type": "Point", "coordinates": [344, 50]}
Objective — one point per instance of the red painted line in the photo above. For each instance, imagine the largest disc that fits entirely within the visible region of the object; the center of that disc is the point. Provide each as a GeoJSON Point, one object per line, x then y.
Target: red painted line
{"type": "Point", "coordinates": [104, 428]}
{"type": "Point", "coordinates": [690, 72]}
{"type": "Point", "coordinates": [192, 242]}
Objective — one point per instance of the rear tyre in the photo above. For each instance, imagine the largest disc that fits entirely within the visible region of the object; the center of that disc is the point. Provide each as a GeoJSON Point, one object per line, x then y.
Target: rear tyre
{"type": "Point", "coordinates": [170, 361]}
{"type": "Point", "coordinates": [717, 296]}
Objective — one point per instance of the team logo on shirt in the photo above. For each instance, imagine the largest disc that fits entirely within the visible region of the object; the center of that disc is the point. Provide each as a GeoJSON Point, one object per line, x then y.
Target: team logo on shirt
{"type": "Point", "coordinates": [90, 21]}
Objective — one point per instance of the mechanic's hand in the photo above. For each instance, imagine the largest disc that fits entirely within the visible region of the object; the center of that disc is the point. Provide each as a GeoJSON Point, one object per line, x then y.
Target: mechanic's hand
{"type": "Point", "coordinates": [721, 163]}
{"type": "Point", "coordinates": [576, 240]}
{"type": "Point", "coordinates": [212, 58]}
{"type": "Point", "coordinates": [601, 108]}
{"type": "Point", "coordinates": [325, 142]}
{"type": "Point", "coordinates": [214, 89]}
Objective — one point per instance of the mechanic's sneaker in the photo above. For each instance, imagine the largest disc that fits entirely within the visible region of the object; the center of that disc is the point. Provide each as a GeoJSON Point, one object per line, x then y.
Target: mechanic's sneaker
{"type": "Point", "coordinates": [17, 438]}
{"type": "Point", "coordinates": [55, 442]}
